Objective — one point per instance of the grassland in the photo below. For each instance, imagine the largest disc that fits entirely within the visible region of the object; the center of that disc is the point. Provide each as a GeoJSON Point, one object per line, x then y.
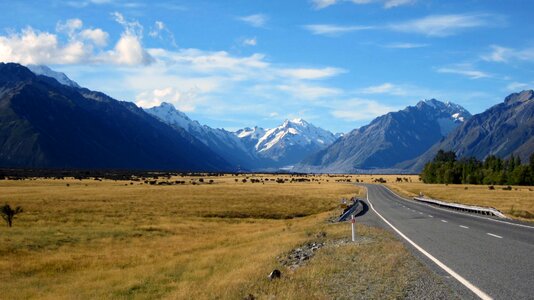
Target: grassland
{"type": "Point", "coordinates": [131, 240]}
{"type": "Point", "coordinates": [517, 202]}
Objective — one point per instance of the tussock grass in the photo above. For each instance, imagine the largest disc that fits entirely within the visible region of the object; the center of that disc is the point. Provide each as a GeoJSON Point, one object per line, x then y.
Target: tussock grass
{"type": "Point", "coordinates": [517, 203]}
{"type": "Point", "coordinates": [113, 239]}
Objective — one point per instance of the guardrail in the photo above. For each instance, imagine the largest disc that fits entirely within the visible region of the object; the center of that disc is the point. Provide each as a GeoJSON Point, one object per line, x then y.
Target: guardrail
{"type": "Point", "coordinates": [355, 209]}
{"type": "Point", "coordinates": [489, 211]}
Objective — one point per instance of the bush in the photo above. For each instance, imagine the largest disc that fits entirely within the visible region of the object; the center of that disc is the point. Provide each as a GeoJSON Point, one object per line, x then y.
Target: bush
{"type": "Point", "coordinates": [8, 214]}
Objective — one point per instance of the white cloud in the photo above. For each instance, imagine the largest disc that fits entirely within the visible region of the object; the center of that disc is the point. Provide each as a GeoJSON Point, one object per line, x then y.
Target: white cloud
{"type": "Point", "coordinates": [32, 47]}
{"type": "Point", "coordinates": [82, 46]}
{"type": "Point", "coordinates": [334, 30]}
{"type": "Point", "coordinates": [257, 20]}
{"type": "Point", "coordinates": [97, 36]}
{"type": "Point", "coordinates": [442, 25]}
{"type": "Point", "coordinates": [518, 86]}
{"type": "Point", "coordinates": [320, 4]}
{"type": "Point", "coordinates": [405, 45]}
{"type": "Point", "coordinates": [185, 101]}
{"type": "Point", "coordinates": [464, 70]}
{"type": "Point", "coordinates": [503, 54]}
{"type": "Point", "coordinates": [361, 110]}
{"type": "Point", "coordinates": [159, 29]}
{"type": "Point", "coordinates": [396, 3]}
{"type": "Point", "coordinates": [250, 42]}
{"type": "Point", "coordinates": [309, 73]}
{"type": "Point", "coordinates": [433, 25]}
{"type": "Point", "coordinates": [308, 92]}
{"type": "Point", "coordinates": [385, 88]}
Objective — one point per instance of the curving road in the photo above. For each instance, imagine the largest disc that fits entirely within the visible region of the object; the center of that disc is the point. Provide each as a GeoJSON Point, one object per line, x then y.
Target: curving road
{"type": "Point", "coordinates": [480, 256]}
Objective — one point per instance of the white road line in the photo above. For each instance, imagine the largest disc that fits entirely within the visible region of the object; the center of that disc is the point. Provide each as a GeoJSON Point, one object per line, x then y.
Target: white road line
{"type": "Point", "coordinates": [431, 216]}
{"type": "Point", "coordinates": [420, 213]}
{"type": "Point", "coordinates": [444, 221]}
{"type": "Point", "coordinates": [464, 226]}
{"type": "Point", "coordinates": [462, 280]}
{"type": "Point", "coordinates": [455, 212]}
{"type": "Point", "coordinates": [497, 236]}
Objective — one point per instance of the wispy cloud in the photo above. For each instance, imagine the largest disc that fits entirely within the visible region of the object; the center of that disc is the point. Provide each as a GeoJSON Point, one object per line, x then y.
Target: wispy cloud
{"type": "Point", "coordinates": [334, 30]}
{"type": "Point", "coordinates": [405, 45]}
{"type": "Point", "coordinates": [517, 86]}
{"type": "Point", "coordinates": [465, 70]}
{"type": "Point", "coordinates": [320, 4]}
{"type": "Point", "coordinates": [159, 30]}
{"type": "Point", "coordinates": [385, 88]}
{"type": "Point", "coordinates": [443, 25]}
{"type": "Point", "coordinates": [250, 41]}
{"type": "Point", "coordinates": [361, 110]}
{"type": "Point", "coordinates": [433, 25]}
{"type": "Point", "coordinates": [308, 92]}
{"type": "Point", "coordinates": [311, 73]}
{"type": "Point", "coordinates": [256, 20]}
{"type": "Point", "coordinates": [503, 54]}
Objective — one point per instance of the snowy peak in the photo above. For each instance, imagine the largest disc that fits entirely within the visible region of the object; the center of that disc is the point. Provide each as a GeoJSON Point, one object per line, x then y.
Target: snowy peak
{"type": "Point", "coordinates": [448, 114]}
{"type": "Point", "coordinates": [170, 115]}
{"type": "Point", "coordinates": [294, 132]}
{"type": "Point", "coordinates": [288, 143]}
{"type": "Point", "coordinates": [46, 71]}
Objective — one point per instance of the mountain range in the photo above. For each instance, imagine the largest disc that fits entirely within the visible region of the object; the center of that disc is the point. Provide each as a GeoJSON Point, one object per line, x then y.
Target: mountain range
{"type": "Point", "coordinates": [252, 149]}
{"type": "Point", "coordinates": [46, 124]}
{"type": "Point", "coordinates": [49, 121]}
{"type": "Point", "coordinates": [388, 140]}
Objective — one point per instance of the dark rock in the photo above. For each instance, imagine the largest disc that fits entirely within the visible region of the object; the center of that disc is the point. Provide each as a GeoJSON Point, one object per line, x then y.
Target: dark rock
{"type": "Point", "coordinates": [275, 274]}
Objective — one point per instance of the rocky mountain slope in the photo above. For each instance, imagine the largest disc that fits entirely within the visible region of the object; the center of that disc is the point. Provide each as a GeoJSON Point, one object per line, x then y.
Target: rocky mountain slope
{"type": "Point", "coordinates": [224, 143]}
{"type": "Point", "coordinates": [388, 140]}
{"type": "Point", "coordinates": [504, 129]}
{"type": "Point", "coordinates": [46, 124]}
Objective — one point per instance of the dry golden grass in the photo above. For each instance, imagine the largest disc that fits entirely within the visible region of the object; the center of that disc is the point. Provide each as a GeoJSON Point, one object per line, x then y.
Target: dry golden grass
{"type": "Point", "coordinates": [113, 239]}
{"type": "Point", "coordinates": [517, 203]}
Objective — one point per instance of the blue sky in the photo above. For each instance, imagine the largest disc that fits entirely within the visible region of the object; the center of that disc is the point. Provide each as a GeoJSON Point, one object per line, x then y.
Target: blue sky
{"type": "Point", "coordinates": [231, 64]}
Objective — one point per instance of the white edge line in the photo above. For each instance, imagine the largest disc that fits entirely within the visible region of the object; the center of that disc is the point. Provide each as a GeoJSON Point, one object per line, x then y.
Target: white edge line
{"type": "Point", "coordinates": [497, 236]}
{"type": "Point", "coordinates": [458, 277]}
{"type": "Point", "coordinates": [463, 226]}
{"type": "Point", "coordinates": [451, 211]}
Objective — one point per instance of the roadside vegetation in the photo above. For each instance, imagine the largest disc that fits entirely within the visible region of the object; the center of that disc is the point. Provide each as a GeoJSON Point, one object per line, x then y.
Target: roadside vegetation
{"type": "Point", "coordinates": [184, 237]}
{"type": "Point", "coordinates": [445, 168]}
{"type": "Point", "coordinates": [514, 201]}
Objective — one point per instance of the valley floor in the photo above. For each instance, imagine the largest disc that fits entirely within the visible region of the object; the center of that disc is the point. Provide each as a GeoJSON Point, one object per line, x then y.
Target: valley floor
{"type": "Point", "coordinates": [130, 239]}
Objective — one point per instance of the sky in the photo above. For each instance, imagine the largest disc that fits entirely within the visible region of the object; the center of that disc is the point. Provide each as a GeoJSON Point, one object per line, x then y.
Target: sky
{"type": "Point", "coordinates": [232, 64]}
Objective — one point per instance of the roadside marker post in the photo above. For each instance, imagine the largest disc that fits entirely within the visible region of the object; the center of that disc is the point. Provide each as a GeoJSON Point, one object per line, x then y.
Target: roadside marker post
{"type": "Point", "coordinates": [353, 225]}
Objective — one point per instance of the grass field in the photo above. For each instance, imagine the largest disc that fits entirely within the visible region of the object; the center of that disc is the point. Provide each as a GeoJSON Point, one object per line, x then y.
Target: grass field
{"type": "Point", "coordinates": [516, 203]}
{"type": "Point", "coordinates": [122, 239]}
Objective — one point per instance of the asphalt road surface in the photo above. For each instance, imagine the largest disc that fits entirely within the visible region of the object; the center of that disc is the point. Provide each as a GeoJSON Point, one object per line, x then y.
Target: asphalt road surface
{"type": "Point", "coordinates": [478, 256]}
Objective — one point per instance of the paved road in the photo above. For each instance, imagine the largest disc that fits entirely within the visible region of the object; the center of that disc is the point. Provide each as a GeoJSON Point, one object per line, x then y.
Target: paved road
{"type": "Point", "coordinates": [495, 259]}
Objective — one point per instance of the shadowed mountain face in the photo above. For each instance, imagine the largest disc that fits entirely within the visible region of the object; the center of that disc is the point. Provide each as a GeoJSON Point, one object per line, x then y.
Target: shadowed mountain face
{"type": "Point", "coordinates": [504, 129]}
{"type": "Point", "coordinates": [45, 124]}
{"type": "Point", "coordinates": [389, 139]}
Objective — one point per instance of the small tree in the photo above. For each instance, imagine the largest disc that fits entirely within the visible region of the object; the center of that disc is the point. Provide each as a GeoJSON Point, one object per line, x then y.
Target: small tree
{"type": "Point", "coordinates": [8, 213]}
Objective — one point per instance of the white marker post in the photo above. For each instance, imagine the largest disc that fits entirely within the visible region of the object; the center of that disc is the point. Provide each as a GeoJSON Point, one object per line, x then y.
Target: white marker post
{"type": "Point", "coordinates": [353, 221]}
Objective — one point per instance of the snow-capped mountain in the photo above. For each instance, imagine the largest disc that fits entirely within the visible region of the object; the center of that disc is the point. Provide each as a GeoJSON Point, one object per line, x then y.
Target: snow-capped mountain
{"type": "Point", "coordinates": [46, 71]}
{"type": "Point", "coordinates": [288, 143]}
{"type": "Point", "coordinates": [223, 142]}
{"type": "Point", "coordinates": [448, 115]}
{"type": "Point", "coordinates": [250, 136]}
{"type": "Point", "coordinates": [389, 139]}
{"type": "Point", "coordinates": [503, 129]}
